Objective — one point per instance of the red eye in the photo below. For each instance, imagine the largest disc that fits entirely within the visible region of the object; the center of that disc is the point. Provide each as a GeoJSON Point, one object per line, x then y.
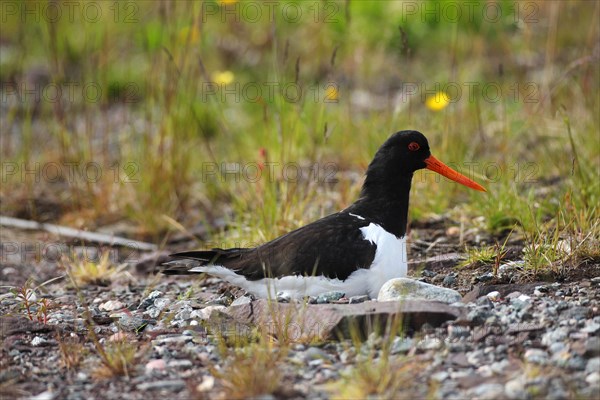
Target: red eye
{"type": "Point", "coordinates": [414, 146]}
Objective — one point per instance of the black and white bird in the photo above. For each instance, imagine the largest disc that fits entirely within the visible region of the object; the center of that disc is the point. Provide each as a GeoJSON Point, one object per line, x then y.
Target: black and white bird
{"type": "Point", "coordinates": [354, 251]}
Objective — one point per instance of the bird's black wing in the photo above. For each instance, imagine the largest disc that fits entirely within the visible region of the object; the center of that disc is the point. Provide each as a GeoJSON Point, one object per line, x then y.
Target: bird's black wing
{"type": "Point", "coordinates": [333, 246]}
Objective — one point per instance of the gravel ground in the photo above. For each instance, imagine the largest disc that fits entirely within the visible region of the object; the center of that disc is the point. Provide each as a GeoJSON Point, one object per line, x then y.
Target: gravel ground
{"type": "Point", "coordinates": [515, 341]}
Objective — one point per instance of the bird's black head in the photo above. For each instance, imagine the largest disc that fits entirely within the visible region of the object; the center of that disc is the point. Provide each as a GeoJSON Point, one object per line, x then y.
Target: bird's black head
{"type": "Point", "coordinates": [403, 153]}
{"type": "Point", "coordinates": [398, 158]}
{"type": "Point", "coordinates": [385, 192]}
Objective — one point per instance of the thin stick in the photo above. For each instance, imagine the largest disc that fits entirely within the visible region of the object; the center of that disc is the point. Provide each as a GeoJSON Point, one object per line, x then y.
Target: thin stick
{"type": "Point", "coordinates": [76, 233]}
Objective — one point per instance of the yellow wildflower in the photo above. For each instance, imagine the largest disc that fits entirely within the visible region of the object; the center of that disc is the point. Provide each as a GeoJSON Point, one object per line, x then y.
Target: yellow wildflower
{"type": "Point", "coordinates": [332, 93]}
{"type": "Point", "coordinates": [438, 101]}
{"type": "Point", "coordinates": [223, 77]}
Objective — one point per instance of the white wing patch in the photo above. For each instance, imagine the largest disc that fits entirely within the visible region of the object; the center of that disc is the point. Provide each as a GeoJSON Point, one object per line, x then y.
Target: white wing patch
{"type": "Point", "coordinates": [389, 262]}
{"type": "Point", "coordinates": [357, 216]}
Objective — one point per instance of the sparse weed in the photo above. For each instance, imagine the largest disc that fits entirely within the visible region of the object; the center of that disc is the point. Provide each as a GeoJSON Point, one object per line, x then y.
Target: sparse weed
{"type": "Point", "coordinates": [251, 370]}
{"type": "Point", "coordinates": [117, 358]}
{"type": "Point", "coordinates": [71, 351]}
{"type": "Point", "coordinates": [83, 270]}
{"type": "Point", "coordinates": [478, 256]}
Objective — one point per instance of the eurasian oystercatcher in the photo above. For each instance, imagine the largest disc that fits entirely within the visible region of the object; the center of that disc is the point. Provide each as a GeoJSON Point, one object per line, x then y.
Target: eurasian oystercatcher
{"type": "Point", "coordinates": [354, 251]}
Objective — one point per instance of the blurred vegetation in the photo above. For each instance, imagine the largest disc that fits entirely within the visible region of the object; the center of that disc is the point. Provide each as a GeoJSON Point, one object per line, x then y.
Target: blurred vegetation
{"type": "Point", "coordinates": [154, 112]}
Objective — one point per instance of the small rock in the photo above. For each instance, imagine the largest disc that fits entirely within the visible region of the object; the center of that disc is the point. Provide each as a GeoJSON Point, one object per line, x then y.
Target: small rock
{"type": "Point", "coordinates": [410, 289]}
{"type": "Point", "coordinates": [177, 384]}
{"type": "Point", "coordinates": [47, 395]}
{"type": "Point", "coordinates": [440, 376]}
{"type": "Point", "coordinates": [241, 301]}
{"type": "Point", "coordinates": [359, 299]}
{"type": "Point", "coordinates": [283, 297]}
{"type": "Point", "coordinates": [179, 364]}
{"type": "Point", "coordinates": [536, 356]}
{"type": "Point", "coordinates": [488, 276]}
{"type": "Point", "coordinates": [162, 339]}
{"type": "Point", "coordinates": [487, 391]}
{"type": "Point", "coordinates": [314, 353]}
{"type": "Point", "coordinates": [428, 274]}
{"type": "Point", "coordinates": [449, 280]}
{"type": "Point", "coordinates": [453, 231]}
{"type": "Point", "coordinates": [591, 327]}
{"type": "Point", "coordinates": [515, 389]}
{"type": "Point", "coordinates": [111, 305]}
{"type": "Point", "coordinates": [593, 365]}
{"type": "Point", "coordinates": [401, 345]}
{"type": "Point", "coordinates": [593, 378]}
{"type": "Point", "coordinates": [493, 296]}
{"type": "Point", "coordinates": [118, 337]}
{"type": "Point", "coordinates": [38, 341]}
{"type": "Point", "coordinates": [206, 312]}
{"type": "Point", "coordinates": [155, 365]}
{"type": "Point", "coordinates": [208, 382]}
{"type": "Point", "coordinates": [131, 322]}
{"type": "Point", "coordinates": [484, 302]}
{"type": "Point", "coordinates": [149, 300]}
{"type": "Point", "coordinates": [329, 297]}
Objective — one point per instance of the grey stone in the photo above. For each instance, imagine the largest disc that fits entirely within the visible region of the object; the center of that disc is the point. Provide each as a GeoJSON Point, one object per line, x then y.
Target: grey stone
{"type": "Point", "coordinates": [536, 356]}
{"type": "Point", "coordinates": [149, 300]}
{"type": "Point", "coordinates": [449, 280]}
{"type": "Point", "coordinates": [283, 297]}
{"type": "Point", "coordinates": [591, 327]}
{"type": "Point", "coordinates": [409, 289]}
{"type": "Point", "coordinates": [593, 378]}
{"type": "Point", "coordinates": [241, 300]}
{"type": "Point", "coordinates": [130, 323]}
{"type": "Point", "coordinates": [177, 384]}
{"type": "Point", "coordinates": [487, 391]}
{"type": "Point", "coordinates": [38, 341]}
{"type": "Point", "coordinates": [593, 365]}
{"type": "Point", "coordinates": [515, 389]}
{"type": "Point", "coordinates": [359, 299]}
{"type": "Point", "coordinates": [401, 345]}
{"type": "Point", "coordinates": [440, 376]}
{"type": "Point", "coordinates": [329, 297]}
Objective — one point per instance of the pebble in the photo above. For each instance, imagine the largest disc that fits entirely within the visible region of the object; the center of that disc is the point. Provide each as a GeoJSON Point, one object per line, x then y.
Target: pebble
{"type": "Point", "coordinates": [536, 356]}
{"type": "Point", "coordinates": [131, 322]}
{"type": "Point", "coordinates": [112, 305]}
{"type": "Point", "coordinates": [449, 280]}
{"type": "Point", "coordinates": [488, 276]}
{"type": "Point", "coordinates": [493, 296]}
{"type": "Point", "coordinates": [206, 312]}
{"type": "Point", "coordinates": [410, 289]}
{"type": "Point", "coordinates": [329, 297]}
{"type": "Point", "coordinates": [283, 297]}
{"type": "Point", "coordinates": [314, 353]}
{"type": "Point", "coordinates": [487, 391]}
{"type": "Point", "coordinates": [593, 365]}
{"type": "Point", "coordinates": [179, 339]}
{"type": "Point", "coordinates": [359, 299]}
{"type": "Point", "coordinates": [177, 384]}
{"type": "Point", "coordinates": [591, 327]}
{"type": "Point", "coordinates": [593, 378]}
{"type": "Point", "coordinates": [149, 300]}
{"type": "Point", "coordinates": [402, 345]}
{"type": "Point", "coordinates": [38, 341]}
{"type": "Point", "coordinates": [515, 389]}
{"type": "Point", "coordinates": [155, 365]}
{"type": "Point", "coordinates": [241, 301]}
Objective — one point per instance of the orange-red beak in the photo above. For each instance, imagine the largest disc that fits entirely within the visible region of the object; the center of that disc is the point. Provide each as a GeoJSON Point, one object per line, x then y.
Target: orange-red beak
{"type": "Point", "coordinates": [436, 165]}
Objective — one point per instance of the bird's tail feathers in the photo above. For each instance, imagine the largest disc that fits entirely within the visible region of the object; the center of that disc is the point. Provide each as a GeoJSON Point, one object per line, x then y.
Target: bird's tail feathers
{"type": "Point", "coordinates": [190, 260]}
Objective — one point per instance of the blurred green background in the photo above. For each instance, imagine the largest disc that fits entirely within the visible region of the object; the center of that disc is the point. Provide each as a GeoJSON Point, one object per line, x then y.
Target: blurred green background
{"type": "Point", "coordinates": [146, 118]}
